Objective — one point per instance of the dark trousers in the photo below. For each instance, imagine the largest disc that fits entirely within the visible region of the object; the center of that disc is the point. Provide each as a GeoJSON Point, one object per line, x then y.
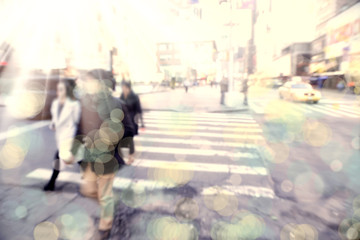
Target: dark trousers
{"type": "Point", "coordinates": [128, 142]}
{"type": "Point", "coordinates": [222, 98]}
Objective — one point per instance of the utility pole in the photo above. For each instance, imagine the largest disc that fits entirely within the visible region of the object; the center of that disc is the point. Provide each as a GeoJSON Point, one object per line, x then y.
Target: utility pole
{"type": "Point", "coordinates": [251, 47]}
{"type": "Point", "coordinates": [231, 52]}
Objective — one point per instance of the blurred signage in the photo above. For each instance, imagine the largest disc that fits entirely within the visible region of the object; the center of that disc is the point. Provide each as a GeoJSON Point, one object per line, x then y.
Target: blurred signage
{"type": "Point", "coordinates": [343, 31]}
{"type": "Point", "coordinates": [244, 4]}
{"type": "Point", "coordinates": [318, 45]}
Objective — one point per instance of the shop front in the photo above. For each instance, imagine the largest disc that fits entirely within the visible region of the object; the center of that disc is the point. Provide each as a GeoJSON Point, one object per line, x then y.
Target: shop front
{"type": "Point", "coordinates": [339, 60]}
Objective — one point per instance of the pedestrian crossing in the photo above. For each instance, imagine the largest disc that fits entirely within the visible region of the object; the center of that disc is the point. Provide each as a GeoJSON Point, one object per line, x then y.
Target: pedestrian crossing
{"type": "Point", "coordinates": [336, 110]}
{"type": "Point", "coordinates": [177, 149]}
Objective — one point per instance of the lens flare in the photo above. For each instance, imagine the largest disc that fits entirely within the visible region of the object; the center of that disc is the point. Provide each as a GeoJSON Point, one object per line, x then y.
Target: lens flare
{"type": "Point", "coordinates": [46, 231]}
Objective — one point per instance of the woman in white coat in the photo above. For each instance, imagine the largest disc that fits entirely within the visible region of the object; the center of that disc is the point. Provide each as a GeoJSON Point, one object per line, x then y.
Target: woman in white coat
{"type": "Point", "coordinates": [65, 114]}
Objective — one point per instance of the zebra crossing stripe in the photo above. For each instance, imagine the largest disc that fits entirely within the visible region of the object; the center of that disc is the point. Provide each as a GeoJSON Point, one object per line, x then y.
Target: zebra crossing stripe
{"type": "Point", "coordinates": [202, 134]}
{"type": "Point", "coordinates": [141, 184]}
{"type": "Point", "coordinates": [201, 167]}
{"type": "Point", "coordinates": [240, 190]}
{"type": "Point", "coordinates": [200, 119]}
{"type": "Point", "coordinates": [195, 127]}
{"type": "Point", "coordinates": [197, 152]}
{"type": "Point", "coordinates": [351, 109]}
{"type": "Point", "coordinates": [257, 108]}
{"type": "Point", "coordinates": [202, 115]}
{"type": "Point", "coordinates": [181, 122]}
{"type": "Point", "coordinates": [301, 108]}
{"type": "Point", "coordinates": [323, 111]}
{"type": "Point", "coordinates": [338, 111]}
{"type": "Point", "coordinates": [201, 142]}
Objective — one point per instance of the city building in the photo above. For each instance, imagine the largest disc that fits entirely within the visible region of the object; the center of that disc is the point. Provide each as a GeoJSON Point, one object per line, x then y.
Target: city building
{"type": "Point", "coordinates": [190, 60]}
{"type": "Point", "coordinates": [336, 48]}
{"type": "Point", "coordinates": [282, 38]}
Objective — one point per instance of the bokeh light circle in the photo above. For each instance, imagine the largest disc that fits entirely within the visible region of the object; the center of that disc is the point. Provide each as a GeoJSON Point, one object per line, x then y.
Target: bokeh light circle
{"type": "Point", "coordinates": [186, 209]}
{"type": "Point", "coordinates": [308, 187]}
{"type": "Point", "coordinates": [21, 212]}
{"type": "Point", "coordinates": [336, 165]}
{"type": "Point", "coordinates": [316, 134]}
{"type": "Point", "coordinates": [287, 186]}
{"type": "Point", "coordinates": [46, 231]}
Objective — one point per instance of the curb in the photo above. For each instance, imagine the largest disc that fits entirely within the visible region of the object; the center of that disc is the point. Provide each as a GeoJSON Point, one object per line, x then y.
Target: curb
{"type": "Point", "coordinates": [152, 92]}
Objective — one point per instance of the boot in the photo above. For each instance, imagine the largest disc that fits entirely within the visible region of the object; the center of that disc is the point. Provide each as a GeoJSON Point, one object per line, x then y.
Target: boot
{"type": "Point", "coordinates": [50, 186]}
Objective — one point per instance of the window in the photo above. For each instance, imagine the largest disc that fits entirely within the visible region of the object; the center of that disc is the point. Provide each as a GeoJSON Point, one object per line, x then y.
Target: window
{"type": "Point", "coordinates": [301, 86]}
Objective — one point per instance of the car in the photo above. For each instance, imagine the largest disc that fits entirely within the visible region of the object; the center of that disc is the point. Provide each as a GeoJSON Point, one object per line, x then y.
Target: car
{"type": "Point", "coordinates": [300, 92]}
{"type": "Point", "coordinates": [277, 83]}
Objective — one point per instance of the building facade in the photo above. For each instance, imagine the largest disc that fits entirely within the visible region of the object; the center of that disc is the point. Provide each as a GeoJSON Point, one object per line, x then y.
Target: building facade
{"type": "Point", "coordinates": [336, 50]}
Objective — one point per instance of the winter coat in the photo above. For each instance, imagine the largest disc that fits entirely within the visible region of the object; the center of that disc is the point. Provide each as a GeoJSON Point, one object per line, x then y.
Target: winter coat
{"type": "Point", "coordinates": [133, 105]}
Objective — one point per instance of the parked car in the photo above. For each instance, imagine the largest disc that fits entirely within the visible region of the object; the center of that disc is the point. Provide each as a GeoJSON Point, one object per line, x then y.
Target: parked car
{"type": "Point", "coordinates": [299, 91]}
{"type": "Point", "coordinates": [277, 83]}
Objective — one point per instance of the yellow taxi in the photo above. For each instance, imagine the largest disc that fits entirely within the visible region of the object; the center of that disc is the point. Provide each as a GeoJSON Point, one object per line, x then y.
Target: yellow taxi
{"type": "Point", "coordinates": [299, 92]}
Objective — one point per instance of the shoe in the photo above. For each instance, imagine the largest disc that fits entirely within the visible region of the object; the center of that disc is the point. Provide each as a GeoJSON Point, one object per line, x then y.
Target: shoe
{"type": "Point", "coordinates": [102, 235]}
{"type": "Point", "coordinates": [50, 186]}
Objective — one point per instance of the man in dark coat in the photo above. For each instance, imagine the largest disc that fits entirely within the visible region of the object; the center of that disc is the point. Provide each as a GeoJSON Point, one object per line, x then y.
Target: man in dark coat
{"type": "Point", "coordinates": [103, 124]}
{"type": "Point", "coordinates": [133, 105]}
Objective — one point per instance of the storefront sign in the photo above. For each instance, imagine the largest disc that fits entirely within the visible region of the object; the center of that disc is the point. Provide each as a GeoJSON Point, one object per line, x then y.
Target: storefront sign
{"type": "Point", "coordinates": [343, 32]}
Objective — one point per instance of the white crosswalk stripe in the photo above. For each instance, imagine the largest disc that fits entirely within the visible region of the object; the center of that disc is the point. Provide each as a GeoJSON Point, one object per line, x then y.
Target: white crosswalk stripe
{"type": "Point", "coordinates": [337, 110]}
{"type": "Point", "coordinates": [174, 143]}
{"type": "Point", "coordinates": [192, 127]}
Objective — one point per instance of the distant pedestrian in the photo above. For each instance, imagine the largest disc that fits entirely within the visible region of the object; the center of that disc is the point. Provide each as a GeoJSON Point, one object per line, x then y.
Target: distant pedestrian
{"type": "Point", "coordinates": [133, 105]}
{"type": "Point", "coordinates": [245, 88]}
{"type": "Point", "coordinates": [223, 89]}
{"type": "Point", "coordinates": [65, 116]}
{"type": "Point", "coordinates": [186, 85]}
{"type": "Point", "coordinates": [103, 124]}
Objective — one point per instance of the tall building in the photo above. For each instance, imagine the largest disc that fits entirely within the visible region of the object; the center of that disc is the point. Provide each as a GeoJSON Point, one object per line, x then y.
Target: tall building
{"type": "Point", "coordinates": [336, 48]}
{"type": "Point", "coordinates": [282, 34]}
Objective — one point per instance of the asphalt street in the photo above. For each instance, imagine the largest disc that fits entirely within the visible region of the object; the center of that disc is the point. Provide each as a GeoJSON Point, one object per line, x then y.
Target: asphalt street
{"type": "Point", "coordinates": [272, 170]}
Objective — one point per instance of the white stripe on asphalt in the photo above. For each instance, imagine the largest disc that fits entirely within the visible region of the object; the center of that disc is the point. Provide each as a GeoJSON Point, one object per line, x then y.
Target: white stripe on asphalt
{"type": "Point", "coordinates": [196, 127]}
{"type": "Point", "coordinates": [15, 131]}
{"type": "Point", "coordinates": [257, 108]}
{"type": "Point", "coordinates": [351, 109]}
{"type": "Point", "coordinates": [178, 122]}
{"type": "Point", "coordinates": [200, 167]}
{"type": "Point", "coordinates": [339, 111]}
{"type": "Point", "coordinates": [207, 115]}
{"type": "Point", "coordinates": [313, 108]}
{"type": "Point", "coordinates": [199, 119]}
{"type": "Point", "coordinates": [139, 139]}
{"type": "Point", "coordinates": [240, 190]}
{"type": "Point", "coordinates": [140, 184]}
{"type": "Point", "coordinates": [202, 134]}
{"type": "Point", "coordinates": [302, 108]}
{"type": "Point", "coordinates": [197, 152]}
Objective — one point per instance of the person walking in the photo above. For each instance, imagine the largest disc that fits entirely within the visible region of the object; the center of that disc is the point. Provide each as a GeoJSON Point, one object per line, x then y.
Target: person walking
{"type": "Point", "coordinates": [223, 89]}
{"type": "Point", "coordinates": [103, 123]}
{"type": "Point", "coordinates": [133, 105]}
{"type": "Point", "coordinates": [245, 89]}
{"type": "Point", "coordinates": [65, 116]}
{"type": "Point", "coordinates": [186, 85]}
